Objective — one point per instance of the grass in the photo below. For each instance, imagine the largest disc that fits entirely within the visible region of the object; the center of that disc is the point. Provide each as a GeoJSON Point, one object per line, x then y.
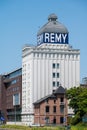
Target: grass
{"type": "Point", "coordinates": [17, 127]}
{"type": "Point", "coordinates": [79, 128]}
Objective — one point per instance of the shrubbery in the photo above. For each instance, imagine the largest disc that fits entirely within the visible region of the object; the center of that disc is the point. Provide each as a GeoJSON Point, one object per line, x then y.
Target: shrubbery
{"type": "Point", "coordinates": [75, 120]}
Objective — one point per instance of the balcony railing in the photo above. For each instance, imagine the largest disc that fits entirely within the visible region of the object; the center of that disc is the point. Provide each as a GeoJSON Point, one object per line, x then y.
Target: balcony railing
{"type": "Point", "coordinates": [62, 103]}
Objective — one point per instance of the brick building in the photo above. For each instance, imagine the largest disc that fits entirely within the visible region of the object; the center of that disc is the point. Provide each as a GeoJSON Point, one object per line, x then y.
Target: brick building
{"type": "Point", "coordinates": [51, 109]}
{"type": "Point", "coordinates": [11, 95]}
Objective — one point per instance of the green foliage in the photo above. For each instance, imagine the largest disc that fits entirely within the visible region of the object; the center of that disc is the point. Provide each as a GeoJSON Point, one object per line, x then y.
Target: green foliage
{"type": "Point", "coordinates": [75, 119]}
{"type": "Point", "coordinates": [81, 126]}
{"type": "Point", "coordinates": [78, 101]}
{"type": "Point", "coordinates": [17, 127]}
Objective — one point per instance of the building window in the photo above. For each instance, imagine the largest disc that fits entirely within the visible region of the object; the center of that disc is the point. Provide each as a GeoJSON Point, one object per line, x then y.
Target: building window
{"type": "Point", "coordinates": [54, 101]}
{"type": "Point", "coordinates": [16, 99]}
{"type": "Point", "coordinates": [54, 120]}
{"type": "Point", "coordinates": [46, 101]}
{"type": "Point", "coordinates": [53, 75]}
{"type": "Point", "coordinates": [57, 84]}
{"type": "Point", "coordinates": [54, 84]}
{"type": "Point", "coordinates": [54, 109]}
{"type": "Point", "coordinates": [13, 81]}
{"type": "Point", "coordinates": [53, 91]}
{"type": "Point", "coordinates": [47, 109]}
{"type": "Point", "coordinates": [54, 65]}
{"type": "Point", "coordinates": [57, 65]}
{"type": "Point", "coordinates": [57, 75]}
{"type": "Point", "coordinates": [47, 120]}
{"type": "Point", "coordinates": [62, 108]}
{"type": "Point", "coordinates": [61, 99]}
{"type": "Point", "coordinates": [61, 120]}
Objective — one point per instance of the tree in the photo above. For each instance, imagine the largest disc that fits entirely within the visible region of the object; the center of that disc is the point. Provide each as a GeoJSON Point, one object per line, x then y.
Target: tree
{"type": "Point", "coordinates": [78, 101]}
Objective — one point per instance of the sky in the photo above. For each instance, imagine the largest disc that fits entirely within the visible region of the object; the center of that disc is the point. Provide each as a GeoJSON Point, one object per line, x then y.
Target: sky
{"type": "Point", "coordinates": [20, 20]}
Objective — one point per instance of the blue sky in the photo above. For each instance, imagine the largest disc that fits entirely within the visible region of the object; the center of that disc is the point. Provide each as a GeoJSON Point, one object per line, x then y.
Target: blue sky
{"type": "Point", "coordinates": [20, 21]}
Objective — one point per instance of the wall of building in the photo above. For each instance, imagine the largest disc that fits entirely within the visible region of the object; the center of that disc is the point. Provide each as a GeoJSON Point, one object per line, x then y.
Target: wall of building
{"type": "Point", "coordinates": [11, 86]}
{"type": "Point", "coordinates": [37, 71]}
{"type": "Point", "coordinates": [42, 117]}
{"type": "Point", "coordinates": [40, 60]}
{"type": "Point", "coordinates": [3, 98]}
{"type": "Point", "coordinates": [27, 88]}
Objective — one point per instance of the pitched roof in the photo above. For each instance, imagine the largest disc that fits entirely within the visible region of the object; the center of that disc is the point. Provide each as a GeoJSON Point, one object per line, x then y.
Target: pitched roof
{"type": "Point", "coordinates": [60, 90]}
{"type": "Point", "coordinates": [44, 98]}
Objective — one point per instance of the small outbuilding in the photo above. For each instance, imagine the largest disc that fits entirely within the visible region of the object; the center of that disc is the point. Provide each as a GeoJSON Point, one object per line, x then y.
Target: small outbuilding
{"type": "Point", "coordinates": [51, 109]}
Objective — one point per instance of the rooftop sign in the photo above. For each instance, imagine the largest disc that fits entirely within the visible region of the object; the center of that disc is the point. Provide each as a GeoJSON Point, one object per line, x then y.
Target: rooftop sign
{"type": "Point", "coordinates": [61, 38]}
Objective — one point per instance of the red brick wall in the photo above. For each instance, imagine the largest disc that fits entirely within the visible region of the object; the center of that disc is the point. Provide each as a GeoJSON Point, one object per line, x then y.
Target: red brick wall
{"type": "Point", "coordinates": [7, 92]}
{"type": "Point", "coordinates": [40, 114]}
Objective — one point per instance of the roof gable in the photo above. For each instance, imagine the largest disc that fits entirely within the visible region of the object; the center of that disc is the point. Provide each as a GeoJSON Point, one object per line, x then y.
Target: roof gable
{"type": "Point", "coordinates": [51, 96]}
{"type": "Point", "coordinates": [60, 90]}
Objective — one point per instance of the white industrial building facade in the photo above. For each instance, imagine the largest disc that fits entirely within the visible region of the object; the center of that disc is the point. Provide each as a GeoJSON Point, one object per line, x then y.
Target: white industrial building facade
{"type": "Point", "coordinates": [52, 62]}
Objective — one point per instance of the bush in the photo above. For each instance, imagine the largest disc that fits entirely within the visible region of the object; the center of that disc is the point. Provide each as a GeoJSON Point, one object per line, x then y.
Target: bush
{"type": "Point", "coordinates": [75, 120]}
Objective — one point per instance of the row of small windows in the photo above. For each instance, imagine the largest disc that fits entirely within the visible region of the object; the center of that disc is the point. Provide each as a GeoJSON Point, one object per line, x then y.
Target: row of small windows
{"type": "Point", "coordinates": [55, 83]}
{"type": "Point", "coordinates": [11, 118]}
{"type": "Point", "coordinates": [61, 100]}
{"type": "Point", "coordinates": [41, 55]}
{"type": "Point", "coordinates": [13, 89]}
{"type": "Point", "coordinates": [47, 118]}
{"type": "Point", "coordinates": [55, 65]}
{"type": "Point", "coordinates": [55, 75]}
{"type": "Point", "coordinates": [12, 82]}
{"type": "Point", "coordinates": [25, 66]}
{"type": "Point", "coordinates": [47, 109]}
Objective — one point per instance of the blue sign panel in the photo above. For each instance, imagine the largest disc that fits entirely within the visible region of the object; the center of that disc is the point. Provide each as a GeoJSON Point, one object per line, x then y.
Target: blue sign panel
{"type": "Point", "coordinates": [64, 119]}
{"type": "Point", "coordinates": [84, 119]}
{"type": "Point", "coordinates": [60, 38]}
{"type": "Point", "coordinates": [2, 118]}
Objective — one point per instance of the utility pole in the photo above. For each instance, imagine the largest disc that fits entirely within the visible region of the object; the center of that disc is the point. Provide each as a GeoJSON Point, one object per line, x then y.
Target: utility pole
{"type": "Point", "coordinates": [15, 113]}
{"type": "Point", "coordinates": [64, 120]}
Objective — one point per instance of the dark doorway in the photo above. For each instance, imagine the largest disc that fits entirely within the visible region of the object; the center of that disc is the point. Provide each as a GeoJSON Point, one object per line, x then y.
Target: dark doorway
{"type": "Point", "coordinates": [54, 120]}
{"type": "Point", "coordinates": [61, 120]}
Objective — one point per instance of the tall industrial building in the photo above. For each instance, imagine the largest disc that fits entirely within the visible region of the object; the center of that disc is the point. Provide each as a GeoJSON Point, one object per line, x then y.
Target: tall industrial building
{"type": "Point", "coordinates": [50, 63]}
